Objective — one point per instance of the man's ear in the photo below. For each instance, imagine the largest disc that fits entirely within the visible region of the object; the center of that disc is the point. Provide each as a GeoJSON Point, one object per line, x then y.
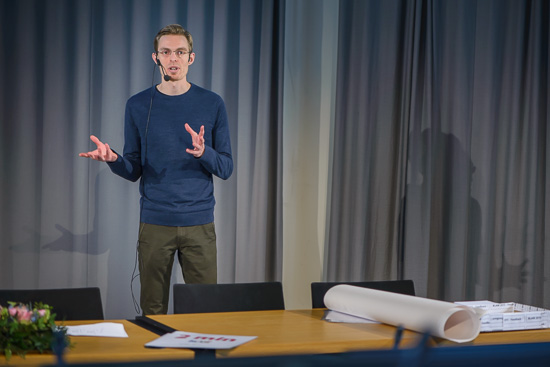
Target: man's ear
{"type": "Point", "coordinates": [155, 58]}
{"type": "Point", "coordinates": [191, 58]}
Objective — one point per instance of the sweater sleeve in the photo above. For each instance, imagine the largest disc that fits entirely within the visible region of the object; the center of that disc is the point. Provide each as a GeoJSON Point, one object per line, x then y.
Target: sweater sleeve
{"type": "Point", "coordinates": [217, 158]}
{"type": "Point", "coordinates": [128, 165]}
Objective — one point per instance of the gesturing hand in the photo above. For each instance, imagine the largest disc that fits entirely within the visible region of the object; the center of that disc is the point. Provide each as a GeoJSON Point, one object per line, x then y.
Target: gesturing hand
{"type": "Point", "coordinates": [198, 141]}
{"type": "Point", "coordinates": [103, 153]}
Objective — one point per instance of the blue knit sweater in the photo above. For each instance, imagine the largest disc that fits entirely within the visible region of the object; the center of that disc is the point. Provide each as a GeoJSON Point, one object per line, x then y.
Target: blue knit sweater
{"type": "Point", "coordinates": [176, 188]}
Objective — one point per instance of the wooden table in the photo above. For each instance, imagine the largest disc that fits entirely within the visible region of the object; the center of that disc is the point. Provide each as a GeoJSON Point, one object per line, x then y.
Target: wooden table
{"type": "Point", "coordinates": [287, 332]}
{"type": "Point", "coordinates": [101, 350]}
{"type": "Point", "coordinates": [304, 331]}
{"type": "Point", "coordinates": [279, 333]}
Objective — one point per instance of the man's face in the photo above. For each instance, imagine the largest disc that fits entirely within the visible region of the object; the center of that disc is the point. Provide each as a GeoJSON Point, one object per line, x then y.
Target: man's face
{"type": "Point", "coordinates": [173, 53]}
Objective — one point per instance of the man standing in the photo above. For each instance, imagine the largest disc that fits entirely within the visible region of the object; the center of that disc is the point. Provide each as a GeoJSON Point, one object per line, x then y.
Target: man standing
{"type": "Point", "coordinates": [176, 136]}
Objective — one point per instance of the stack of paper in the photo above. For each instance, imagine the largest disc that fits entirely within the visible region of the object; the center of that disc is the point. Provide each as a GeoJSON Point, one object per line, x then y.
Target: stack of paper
{"type": "Point", "coordinates": [509, 316]}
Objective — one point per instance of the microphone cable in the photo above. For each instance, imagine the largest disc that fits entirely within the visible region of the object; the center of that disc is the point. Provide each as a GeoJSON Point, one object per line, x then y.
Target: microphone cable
{"type": "Point", "coordinates": [134, 275]}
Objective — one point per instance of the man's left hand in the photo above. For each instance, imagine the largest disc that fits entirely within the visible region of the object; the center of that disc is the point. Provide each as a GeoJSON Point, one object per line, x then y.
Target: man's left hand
{"type": "Point", "coordinates": [198, 141]}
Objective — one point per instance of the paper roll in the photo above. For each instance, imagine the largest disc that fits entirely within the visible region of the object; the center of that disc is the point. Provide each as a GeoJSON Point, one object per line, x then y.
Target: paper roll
{"type": "Point", "coordinates": [443, 319]}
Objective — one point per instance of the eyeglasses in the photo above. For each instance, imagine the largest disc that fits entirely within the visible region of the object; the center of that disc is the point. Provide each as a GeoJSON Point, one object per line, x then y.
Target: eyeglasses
{"type": "Point", "coordinates": [166, 53]}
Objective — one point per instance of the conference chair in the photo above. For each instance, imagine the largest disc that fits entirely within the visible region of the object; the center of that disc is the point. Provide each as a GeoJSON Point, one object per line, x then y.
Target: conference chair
{"type": "Point", "coordinates": [318, 289]}
{"type": "Point", "coordinates": [66, 303]}
{"type": "Point", "coordinates": [201, 298]}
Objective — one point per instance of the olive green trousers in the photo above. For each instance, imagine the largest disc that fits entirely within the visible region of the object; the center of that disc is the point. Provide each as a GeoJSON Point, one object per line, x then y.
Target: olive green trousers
{"type": "Point", "coordinates": [196, 250]}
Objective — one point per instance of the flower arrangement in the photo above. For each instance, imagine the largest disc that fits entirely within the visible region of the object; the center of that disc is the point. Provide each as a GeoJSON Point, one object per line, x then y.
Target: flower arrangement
{"type": "Point", "coordinates": [26, 328]}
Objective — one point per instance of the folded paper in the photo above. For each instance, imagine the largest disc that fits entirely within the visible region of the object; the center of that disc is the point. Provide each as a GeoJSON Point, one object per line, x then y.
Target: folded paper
{"type": "Point", "coordinates": [184, 339]}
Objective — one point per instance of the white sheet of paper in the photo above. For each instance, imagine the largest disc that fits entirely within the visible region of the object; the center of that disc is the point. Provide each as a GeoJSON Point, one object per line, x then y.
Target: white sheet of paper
{"type": "Point", "coordinates": [335, 316]}
{"type": "Point", "coordinates": [104, 329]}
{"type": "Point", "coordinates": [183, 339]}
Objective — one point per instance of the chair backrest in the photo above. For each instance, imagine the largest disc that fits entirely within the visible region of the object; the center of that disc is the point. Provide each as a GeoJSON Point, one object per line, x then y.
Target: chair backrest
{"type": "Point", "coordinates": [67, 303]}
{"type": "Point", "coordinates": [318, 289]}
{"type": "Point", "coordinates": [200, 298]}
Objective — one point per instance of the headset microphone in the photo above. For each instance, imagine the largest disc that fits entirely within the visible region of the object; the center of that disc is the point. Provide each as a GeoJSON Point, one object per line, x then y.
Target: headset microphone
{"type": "Point", "coordinates": [165, 77]}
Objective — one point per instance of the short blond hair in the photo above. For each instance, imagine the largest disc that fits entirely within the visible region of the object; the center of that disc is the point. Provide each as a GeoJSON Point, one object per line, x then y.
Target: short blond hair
{"type": "Point", "coordinates": [174, 29]}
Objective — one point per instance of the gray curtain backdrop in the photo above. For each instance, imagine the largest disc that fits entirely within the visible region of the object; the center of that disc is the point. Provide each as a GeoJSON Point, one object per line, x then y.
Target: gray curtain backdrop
{"type": "Point", "coordinates": [431, 166]}
{"type": "Point", "coordinates": [440, 158]}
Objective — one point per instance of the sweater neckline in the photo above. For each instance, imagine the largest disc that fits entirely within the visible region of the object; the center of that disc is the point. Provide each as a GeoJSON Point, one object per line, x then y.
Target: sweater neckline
{"type": "Point", "coordinates": [191, 86]}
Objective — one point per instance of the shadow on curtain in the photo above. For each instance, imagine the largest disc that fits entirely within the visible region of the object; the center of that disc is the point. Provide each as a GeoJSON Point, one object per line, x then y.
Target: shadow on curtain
{"type": "Point", "coordinates": [440, 159]}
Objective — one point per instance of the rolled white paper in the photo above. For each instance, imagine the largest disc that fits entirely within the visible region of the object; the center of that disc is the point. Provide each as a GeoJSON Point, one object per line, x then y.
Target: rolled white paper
{"type": "Point", "coordinates": [443, 319]}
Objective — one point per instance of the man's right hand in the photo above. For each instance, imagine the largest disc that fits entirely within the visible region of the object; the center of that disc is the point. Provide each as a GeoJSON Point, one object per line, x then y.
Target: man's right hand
{"type": "Point", "coordinates": [103, 153]}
